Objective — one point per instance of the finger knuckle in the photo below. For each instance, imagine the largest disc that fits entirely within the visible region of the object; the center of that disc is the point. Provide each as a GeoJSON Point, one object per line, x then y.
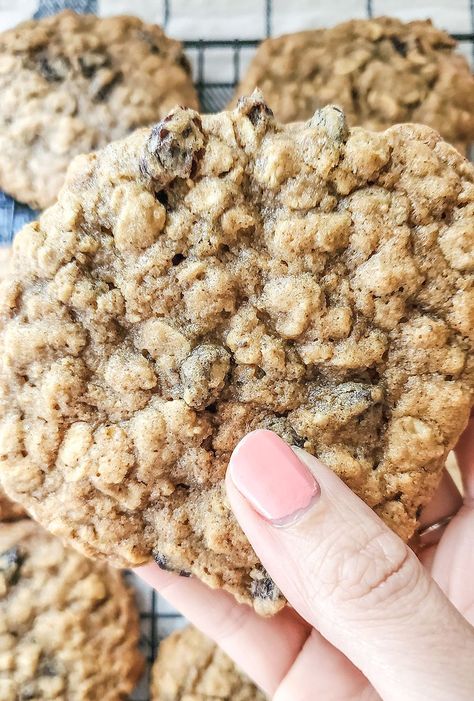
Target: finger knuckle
{"type": "Point", "coordinates": [368, 568]}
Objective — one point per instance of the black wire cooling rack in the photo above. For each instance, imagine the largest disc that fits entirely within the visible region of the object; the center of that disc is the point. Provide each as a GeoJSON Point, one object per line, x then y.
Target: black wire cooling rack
{"type": "Point", "coordinates": [158, 619]}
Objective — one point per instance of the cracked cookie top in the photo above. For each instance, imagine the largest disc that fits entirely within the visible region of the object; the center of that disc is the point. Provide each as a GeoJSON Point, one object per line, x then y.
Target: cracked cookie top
{"type": "Point", "coordinates": [380, 71]}
{"type": "Point", "coordinates": [217, 274]}
{"type": "Point", "coordinates": [190, 667]}
{"type": "Point", "coordinates": [68, 626]}
{"type": "Point", "coordinates": [72, 83]}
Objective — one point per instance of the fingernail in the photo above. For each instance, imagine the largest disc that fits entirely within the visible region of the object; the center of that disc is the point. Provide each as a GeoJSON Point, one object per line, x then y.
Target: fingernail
{"type": "Point", "coordinates": [269, 475]}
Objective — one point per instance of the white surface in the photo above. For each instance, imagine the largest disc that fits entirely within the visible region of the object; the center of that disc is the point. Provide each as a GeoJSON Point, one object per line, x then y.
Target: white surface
{"type": "Point", "coordinates": [452, 15]}
{"type": "Point", "coordinates": [11, 12]}
{"type": "Point", "coordinates": [231, 19]}
{"type": "Point", "coordinates": [208, 19]}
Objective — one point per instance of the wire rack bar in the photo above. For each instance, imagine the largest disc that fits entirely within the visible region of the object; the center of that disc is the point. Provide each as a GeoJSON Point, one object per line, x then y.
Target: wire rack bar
{"type": "Point", "coordinates": [221, 43]}
{"type": "Point", "coordinates": [254, 43]}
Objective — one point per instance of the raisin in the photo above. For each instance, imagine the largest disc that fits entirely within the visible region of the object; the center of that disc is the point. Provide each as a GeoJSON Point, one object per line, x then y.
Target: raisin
{"type": "Point", "coordinates": [163, 198]}
{"type": "Point", "coordinates": [53, 69]}
{"type": "Point", "coordinates": [399, 46]}
{"type": "Point", "coordinates": [162, 562]}
{"type": "Point", "coordinates": [259, 112]}
{"type": "Point", "coordinates": [282, 427]}
{"type": "Point", "coordinates": [184, 63]}
{"type": "Point", "coordinates": [195, 163]}
{"type": "Point", "coordinates": [177, 259]}
{"type": "Point", "coordinates": [104, 92]}
{"type": "Point", "coordinates": [341, 403]}
{"type": "Point", "coordinates": [256, 109]}
{"type": "Point", "coordinates": [90, 63]}
{"type": "Point", "coordinates": [47, 668]}
{"type": "Point", "coordinates": [174, 147]}
{"type": "Point", "coordinates": [143, 168]}
{"type": "Point", "coordinates": [149, 40]}
{"type": "Point", "coordinates": [263, 587]}
{"type": "Point", "coordinates": [10, 565]}
{"type": "Point", "coordinates": [443, 45]}
{"type": "Point", "coordinates": [203, 374]}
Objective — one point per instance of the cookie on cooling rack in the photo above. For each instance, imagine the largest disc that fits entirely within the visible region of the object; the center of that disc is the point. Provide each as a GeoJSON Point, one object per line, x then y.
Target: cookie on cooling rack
{"type": "Point", "coordinates": [190, 667]}
{"type": "Point", "coordinates": [9, 510]}
{"type": "Point", "coordinates": [69, 628]}
{"type": "Point", "coordinates": [72, 83]}
{"type": "Point", "coordinates": [221, 273]}
{"type": "Point", "coordinates": [380, 71]}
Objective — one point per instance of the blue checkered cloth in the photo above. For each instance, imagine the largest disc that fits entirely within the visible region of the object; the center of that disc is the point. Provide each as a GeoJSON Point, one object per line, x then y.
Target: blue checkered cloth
{"type": "Point", "coordinates": [13, 216]}
{"type": "Point", "coordinates": [50, 7]}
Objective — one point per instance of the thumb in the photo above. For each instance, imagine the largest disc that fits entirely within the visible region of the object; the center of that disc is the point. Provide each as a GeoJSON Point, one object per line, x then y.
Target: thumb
{"type": "Point", "coordinates": [348, 575]}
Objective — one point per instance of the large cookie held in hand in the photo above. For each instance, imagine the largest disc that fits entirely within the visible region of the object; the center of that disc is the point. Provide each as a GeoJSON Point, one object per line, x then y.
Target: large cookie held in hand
{"type": "Point", "coordinates": [72, 83]}
{"type": "Point", "coordinates": [218, 274]}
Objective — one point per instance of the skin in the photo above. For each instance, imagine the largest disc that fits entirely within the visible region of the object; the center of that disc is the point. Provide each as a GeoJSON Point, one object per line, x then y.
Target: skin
{"type": "Point", "coordinates": [368, 618]}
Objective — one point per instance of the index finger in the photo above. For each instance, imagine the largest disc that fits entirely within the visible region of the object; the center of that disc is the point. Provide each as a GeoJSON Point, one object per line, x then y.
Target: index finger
{"type": "Point", "coordinates": [244, 635]}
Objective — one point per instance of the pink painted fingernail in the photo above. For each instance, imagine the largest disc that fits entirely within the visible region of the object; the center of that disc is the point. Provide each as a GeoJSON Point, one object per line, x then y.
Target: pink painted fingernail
{"type": "Point", "coordinates": [270, 476]}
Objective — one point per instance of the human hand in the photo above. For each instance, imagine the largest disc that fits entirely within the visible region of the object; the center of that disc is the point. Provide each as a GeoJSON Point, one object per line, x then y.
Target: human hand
{"type": "Point", "coordinates": [369, 618]}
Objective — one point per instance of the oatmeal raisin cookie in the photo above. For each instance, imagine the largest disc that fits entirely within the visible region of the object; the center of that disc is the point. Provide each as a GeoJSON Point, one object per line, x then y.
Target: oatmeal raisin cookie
{"type": "Point", "coordinates": [68, 626]}
{"type": "Point", "coordinates": [217, 274]}
{"type": "Point", "coordinates": [190, 667]}
{"type": "Point", "coordinates": [72, 83]}
{"type": "Point", "coordinates": [380, 71]}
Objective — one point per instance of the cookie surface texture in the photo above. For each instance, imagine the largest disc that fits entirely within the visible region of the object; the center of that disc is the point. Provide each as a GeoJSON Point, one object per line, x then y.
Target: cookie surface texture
{"type": "Point", "coordinates": [218, 274]}
{"type": "Point", "coordinates": [69, 628]}
{"type": "Point", "coordinates": [190, 667]}
{"type": "Point", "coordinates": [71, 84]}
{"type": "Point", "coordinates": [380, 71]}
